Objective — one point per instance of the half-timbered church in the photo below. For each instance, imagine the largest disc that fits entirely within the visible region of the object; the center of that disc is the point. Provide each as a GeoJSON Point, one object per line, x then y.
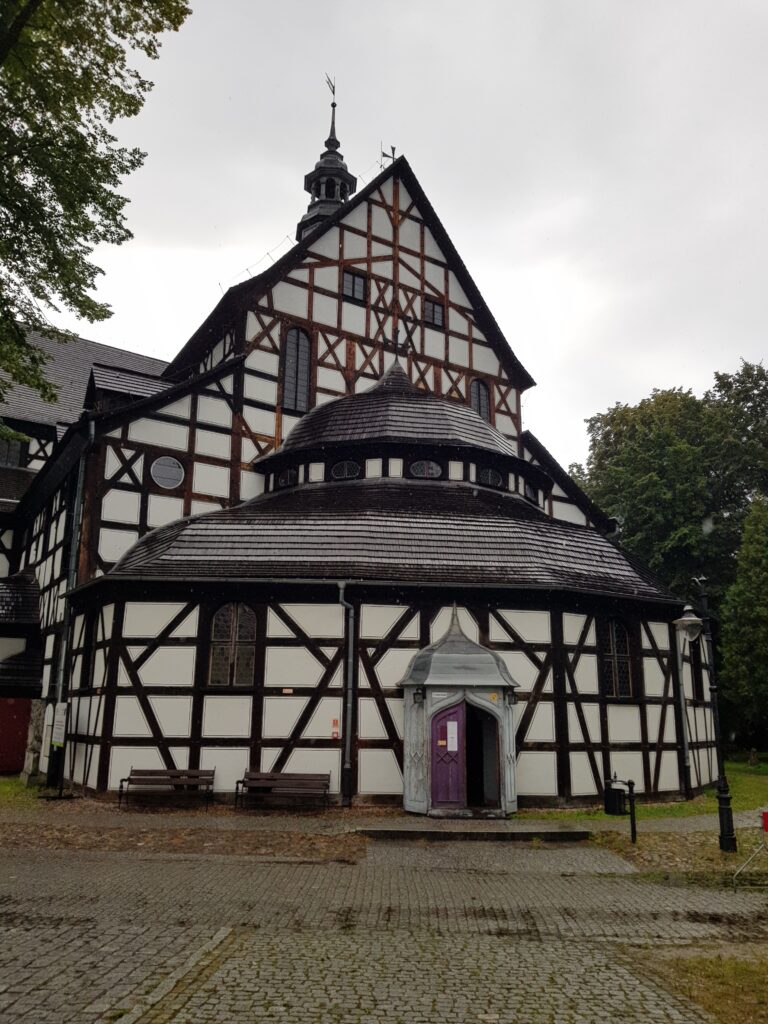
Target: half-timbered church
{"type": "Point", "coordinates": [321, 540]}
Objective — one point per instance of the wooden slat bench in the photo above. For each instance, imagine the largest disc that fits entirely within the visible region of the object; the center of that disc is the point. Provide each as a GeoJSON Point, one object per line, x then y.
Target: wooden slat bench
{"type": "Point", "coordinates": [282, 784]}
{"type": "Point", "coordinates": [175, 780]}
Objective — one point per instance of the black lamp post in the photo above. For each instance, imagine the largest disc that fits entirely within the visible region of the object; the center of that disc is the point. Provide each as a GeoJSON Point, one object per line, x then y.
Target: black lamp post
{"type": "Point", "coordinates": [724, 810]}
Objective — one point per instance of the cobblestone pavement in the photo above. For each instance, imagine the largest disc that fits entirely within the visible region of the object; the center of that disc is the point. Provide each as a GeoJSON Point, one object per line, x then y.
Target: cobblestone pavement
{"type": "Point", "coordinates": [462, 932]}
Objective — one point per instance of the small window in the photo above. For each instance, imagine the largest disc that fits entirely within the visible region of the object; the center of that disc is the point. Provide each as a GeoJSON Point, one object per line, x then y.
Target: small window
{"type": "Point", "coordinates": [425, 469]}
{"type": "Point", "coordinates": [434, 313]}
{"type": "Point", "coordinates": [697, 672]}
{"type": "Point", "coordinates": [354, 286]}
{"type": "Point", "coordinates": [13, 452]}
{"type": "Point", "coordinates": [346, 470]}
{"type": "Point", "coordinates": [531, 493]}
{"type": "Point", "coordinates": [489, 477]}
{"type": "Point", "coordinates": [287, 478]}
{"type": "Point", "coordinates": [478, 399]}
{"type": "Point", "coordinates": [614, 655]}
{"type": "Point", "coordinates": [167, 472]}
{"type": "Point", "coordinates": [296, 371]}
{"type": "Point", "coordinates": [233, 646]}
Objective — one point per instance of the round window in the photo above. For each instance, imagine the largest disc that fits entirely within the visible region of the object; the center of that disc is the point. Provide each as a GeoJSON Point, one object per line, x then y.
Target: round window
{"type": "Point", "coordinates": [489, 477]}
{"type": "Point", "coordinates": [346, 470]}
{"type": "Point", "coordinates": [167, 472]}
{"type": "Point", "coordinates": [425, 469]}
{"type": "Point", "coordinates": [287, 478]}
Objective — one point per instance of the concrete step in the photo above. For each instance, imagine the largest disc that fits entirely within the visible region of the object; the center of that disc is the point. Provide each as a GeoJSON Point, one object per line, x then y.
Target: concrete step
{"type": "Point", "coordinates": [475, 833]}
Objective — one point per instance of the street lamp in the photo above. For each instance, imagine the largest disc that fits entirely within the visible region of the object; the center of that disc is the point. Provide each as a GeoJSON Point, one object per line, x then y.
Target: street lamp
{"type": "Point", "coordinates": [690, 627]}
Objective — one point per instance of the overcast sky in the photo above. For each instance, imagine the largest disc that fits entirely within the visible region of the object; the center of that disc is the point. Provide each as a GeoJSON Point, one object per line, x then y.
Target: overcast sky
{"type": "Point", "coordinates": [600, 166]}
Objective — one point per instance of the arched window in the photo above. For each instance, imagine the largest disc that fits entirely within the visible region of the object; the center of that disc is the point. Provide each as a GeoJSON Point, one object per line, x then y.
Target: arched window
{"type": "Point", "coordinates": [296, 371]}
{"type": "Point", "coordinates": [425, 469]}
{"type": "Point", "coordinates": [614, 654]}
{"type": "Point", "coordinates": [346, 470]}
{"type": "Point", "coordinates": [478, 399]}
{"type": "Point", "coordinates": [233, 646]}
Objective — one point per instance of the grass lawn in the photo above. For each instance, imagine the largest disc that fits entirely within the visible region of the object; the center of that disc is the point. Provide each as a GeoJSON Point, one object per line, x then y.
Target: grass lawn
{"type": "Point", "coordinates": [749, 791]}
{"type": "Point", "coordinates": [729, 983]}
{"type": "Point", "coordinates": [14, 794]}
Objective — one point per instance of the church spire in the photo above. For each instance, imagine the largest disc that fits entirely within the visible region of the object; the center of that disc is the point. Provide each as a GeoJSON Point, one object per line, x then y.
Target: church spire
{"type": "Point", "coordinates": [329, 183]}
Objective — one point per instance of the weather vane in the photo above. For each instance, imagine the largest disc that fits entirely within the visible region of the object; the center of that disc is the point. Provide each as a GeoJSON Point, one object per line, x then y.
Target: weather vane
{"type": "Point", "coordinates": [386, 156]}
{"type": "Point", "coordinates": [331, 83]}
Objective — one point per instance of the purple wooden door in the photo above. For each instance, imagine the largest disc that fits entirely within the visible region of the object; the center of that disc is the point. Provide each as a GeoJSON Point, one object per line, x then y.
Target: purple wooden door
{"type": "Point", "coordinates": [449, 778]}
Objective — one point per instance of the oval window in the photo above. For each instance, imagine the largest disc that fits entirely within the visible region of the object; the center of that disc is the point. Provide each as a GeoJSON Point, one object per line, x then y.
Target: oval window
{"type": "Point", "coordinates": [167, 472]}
{"type": "Point", "coordinates": [346, 470]}
{"type": "Point", "coordinates": [425, 469]}
{"type": "Point", "coordinates": [287, 478]}
{"type": "Point", "coordinates": [489, 477]}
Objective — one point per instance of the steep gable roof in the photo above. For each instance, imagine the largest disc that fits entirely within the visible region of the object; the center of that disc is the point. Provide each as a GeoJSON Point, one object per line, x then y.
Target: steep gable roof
{"type": "Point", "coordinates": [69, 370]}
{"type": "Point", "coordinates": [238, 298]}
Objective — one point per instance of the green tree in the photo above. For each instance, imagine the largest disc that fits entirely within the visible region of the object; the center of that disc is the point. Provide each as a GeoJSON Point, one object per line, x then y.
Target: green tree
{"type": "Point", "coordinates": [64, 79]}
{"type": "Point", "coordinates": [679, 473]}
{"type": "Point", "coordinates": [744, 633]}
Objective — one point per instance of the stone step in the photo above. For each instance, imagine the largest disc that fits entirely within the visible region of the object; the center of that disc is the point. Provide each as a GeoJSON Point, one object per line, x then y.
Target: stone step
{"type": "Point", "coordinates": [478, 834]}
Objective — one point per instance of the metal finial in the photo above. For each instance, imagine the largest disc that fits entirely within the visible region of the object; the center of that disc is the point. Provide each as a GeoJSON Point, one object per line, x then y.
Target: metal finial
{"type": "Point", "coordinates": [332, 142]}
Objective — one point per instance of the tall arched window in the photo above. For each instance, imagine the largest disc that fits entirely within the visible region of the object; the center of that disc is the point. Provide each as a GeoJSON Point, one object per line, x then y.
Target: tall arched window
{"type": "Point", "coordinates": [478, 399]}
{"type": "Point", "coordinates": [614, 653]}
{"type": "Point", "coordinates": [233, 646]}
{"type": "Point", "coordinates": [296, 371]}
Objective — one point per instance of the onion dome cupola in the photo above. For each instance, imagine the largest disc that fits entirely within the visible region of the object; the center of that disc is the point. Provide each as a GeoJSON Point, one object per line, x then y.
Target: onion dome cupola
{"type": "Point", "coordinates": [329, 184]}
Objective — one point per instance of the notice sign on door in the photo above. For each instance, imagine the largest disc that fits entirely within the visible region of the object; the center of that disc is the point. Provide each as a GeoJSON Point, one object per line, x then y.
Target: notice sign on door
{"type": "Point", "coordinates": [453, 736]}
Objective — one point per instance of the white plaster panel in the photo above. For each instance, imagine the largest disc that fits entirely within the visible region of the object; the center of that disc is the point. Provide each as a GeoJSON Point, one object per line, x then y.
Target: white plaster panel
{"type": "Point", "coordinates": [276, 627]}
{"type": "Point", "coordinates": [357, 218]}
{"type": "Point", "coordinates": [568, 513]}
{"type": "Point", "coordinates": [180, 756]}
{"type": "Point", "coordinates": [653, 720]}
{"type": "Point", "coordinates": [162, 509]}
{"type": "Point", "coordinates": [208, 442]}
{"type": "Point", "coordinates": [327, 244]}
{"type": "Point", "coordinates": [434, 344]}
{"type": "Point", "coordinates": [148, 618]}
{"type": "Point", "coordinates": [522, 670]}
{"type": "Point", "coordinates": [333, 380]}
{"type": "Point", "coordinates": [213, 480]}
{"type": "Point", "coordinates": [112, 464]}
{"type": "Point", "coordinates": [325, 310]}
{"type": "Point", "coordinates": [582, 779]}
{"type": "Point", "coordinates": [442, 622]}
{"type": "Point", "coordinates": [268, 757]}
{"type": "Point", "coordinates": [395, 468]}
{"type": "Point", "coordinates": [533, 627]}
{"type": "Point", "coordinates": [370, 725]}
{"type": "Point", "coordinates": [261, 421]}
{"type": "Point", "coordinates": [213, 410]}
{"type": "Point", "coordinates": [289, 298]}
{"type": "Point", "coordinates": [316, 472]}
{"type": "Point", "coordinates": [379, 772]}
{"type": "Point", "coordinates": [591, 714]}
{"type": "Point", "coordinates": [364, 384]}
{"type": "Point", "coordinates": [485, 359]}
{"type": "Point", "coordinates": [572, 627]}
{"type": "Point", "coordinates": [653, 678]}
{"type": "Point", "coordinates": [174, 714]}
{"type": "Point", "coordinates": [129, 718]}
{"type": "Point", "coordinates": [381, 224]}
{"type": "Point", "coordinates": [288, 423]}
{"type": "Point", "coordinates": [410, 234]}
{"type": "Point", "coordinates": [457, 322]}
{"type": "Point", "coordinates": [669, 779]}
{"type": "Point", "coordinates": [628, 764]}
{"type": "Point", "coordinates": [318, 620]}
{"type": "Point", "coordinates": [536, 773]}
{"type": "Point", "coordinates": [353, 318]}
{"type": "Point", "coordinates": [623, 724]}
{"type": "Point", "coordinates": [506, 425]}
{"type": "Point", "coordinates": [585, 674]}
{"type": "Point", "coordinates": [121, 506]}
{"type": "Point", "coordinates": [266, 362]}
{"type": "Point", "coordinates": [458, 352]}
{"type": "Point", "coordinates": [542, 725]}
{"type": "Point", "coordinates": [320, 725]}
{"type": "Point", "coordinates": [114, 543]}
{"type": "Point", "coordinates": [156, 432]}
{"type": "Point", "coordinates": [316, 760]}
{"type": "Point", "coordinates": [11, 645]}
{"type": "Point", "coordinates": [373, 468]}
{"type": "Point", "coordinates": [169, 666]}
{"type": "Point", "coordinates": [455, 470]}
{"type": "Point", "coordinates": [188, 626]}
{"type": "Point", "coordinates": [230, 764]}
{"type": "Point", "coordinates": [291, 666]}
{"type": "Point", "coordinates": [180, 408]}
{"type": "Point", "coordinates": [392, 668]}
{"type": "Point", "coordinates": [251, 485]}
{"type": "Point", "coordinates": [260, 390]}
{"type": "Point", "coordinates": [396, 707]}
{"type": "Point", "coordinates": [227, 716]}
{"type": "Point", "coordinates": [281, 715]}
{"type": "Point", "coordinates": [660, 634]}
{"type": "Point", "coordinates": [328, 278]}
{"type": "Point", "coordinates": [355, 246]}
{"type": "Point", "coordinates": [376, 620]}
{"type": "Point", "coordinates": [122, 759]}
